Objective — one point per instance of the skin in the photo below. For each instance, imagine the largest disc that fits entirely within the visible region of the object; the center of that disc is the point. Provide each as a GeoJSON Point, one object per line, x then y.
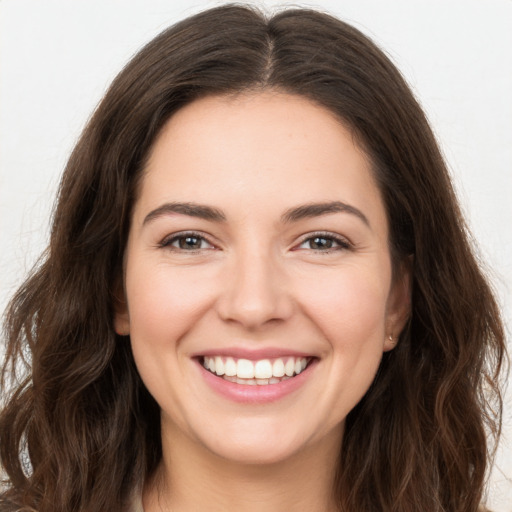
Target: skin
{"type": "Point", "coordinates": [254, 281]}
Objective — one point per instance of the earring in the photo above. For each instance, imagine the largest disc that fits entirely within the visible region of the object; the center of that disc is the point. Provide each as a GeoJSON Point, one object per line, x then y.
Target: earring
{"type": "Point", "coordinates": [391, 339]}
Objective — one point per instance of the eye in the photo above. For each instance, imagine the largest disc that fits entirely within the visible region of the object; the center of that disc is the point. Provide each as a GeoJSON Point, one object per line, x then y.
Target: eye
{"type": "Point", "coordinates": [324, 242]}
{"type": "Point", "coordinates": [186, 242]}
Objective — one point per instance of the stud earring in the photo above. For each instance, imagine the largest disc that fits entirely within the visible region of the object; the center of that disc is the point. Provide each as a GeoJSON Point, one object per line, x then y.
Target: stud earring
{"type": "Point", "coordinates": [391, 339]}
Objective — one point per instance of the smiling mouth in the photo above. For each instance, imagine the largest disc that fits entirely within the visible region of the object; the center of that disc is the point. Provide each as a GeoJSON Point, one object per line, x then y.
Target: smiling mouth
{"type": "Point", "coordinates": [262, 372]}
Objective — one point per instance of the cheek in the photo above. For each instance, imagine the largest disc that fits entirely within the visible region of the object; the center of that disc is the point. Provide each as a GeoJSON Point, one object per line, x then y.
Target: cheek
{"type": "Point", "coordinates": [350, 311]}
{"type": "Point", "coordinates": [165, 302]}
{"type": "Point", "coordinates": [348, 305]}
{"type": "Point", "coordinates": [164, 305]}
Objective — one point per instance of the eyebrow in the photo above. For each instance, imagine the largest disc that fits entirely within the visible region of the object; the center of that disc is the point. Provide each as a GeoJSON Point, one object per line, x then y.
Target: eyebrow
{"type": "Point", "coordinates": [292, 215]}
{"type": "Point", "coordinates": [190, 209]}
{"type": "Point", "coordinates": [318, 209]}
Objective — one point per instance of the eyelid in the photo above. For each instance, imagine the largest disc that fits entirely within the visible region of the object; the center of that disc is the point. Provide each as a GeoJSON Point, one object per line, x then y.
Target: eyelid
{"type": "Point", "coordinates": [167, 241]}
{"type": "Point", "coordinates": [343, 243]}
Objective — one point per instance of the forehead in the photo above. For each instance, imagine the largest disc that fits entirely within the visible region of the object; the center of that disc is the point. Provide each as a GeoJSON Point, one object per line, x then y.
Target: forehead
{"type": "Point", "coordinates": [267, 149]}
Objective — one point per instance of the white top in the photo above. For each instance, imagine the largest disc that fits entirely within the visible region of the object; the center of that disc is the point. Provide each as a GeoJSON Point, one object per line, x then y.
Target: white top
{"type": "Point", "coordinates": [136, 505]}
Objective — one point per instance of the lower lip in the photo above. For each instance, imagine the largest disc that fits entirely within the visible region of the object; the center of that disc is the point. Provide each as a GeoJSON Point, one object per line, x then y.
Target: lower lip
{"type": "Point", "coordinates": [257, 394]}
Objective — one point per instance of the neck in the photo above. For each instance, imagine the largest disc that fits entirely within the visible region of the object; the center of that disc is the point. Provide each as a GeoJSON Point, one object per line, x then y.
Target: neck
{"type": "Point", "coordinates": [192, 478]}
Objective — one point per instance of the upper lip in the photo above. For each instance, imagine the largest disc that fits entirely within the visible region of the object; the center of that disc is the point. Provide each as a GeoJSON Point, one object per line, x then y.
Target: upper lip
{"type": "Point", "coordinates": [252, 354]}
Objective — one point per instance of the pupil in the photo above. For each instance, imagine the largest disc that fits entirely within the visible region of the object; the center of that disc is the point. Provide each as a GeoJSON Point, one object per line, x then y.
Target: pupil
{"type": "Point", "coordinates": [190, 242]}
{"type": "Point", "coordinates": [321, 243]}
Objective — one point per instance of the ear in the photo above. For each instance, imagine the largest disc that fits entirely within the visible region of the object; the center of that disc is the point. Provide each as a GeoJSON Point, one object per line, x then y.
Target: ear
{"type": "Point", "coordinates": [399, 304]}
{"type": "Point", "coordinates": [121, 315]}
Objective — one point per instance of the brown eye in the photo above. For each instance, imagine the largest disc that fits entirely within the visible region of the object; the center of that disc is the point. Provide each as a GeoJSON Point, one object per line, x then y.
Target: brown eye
{"type": "Point", "coordinates": [320, 242]}
{"type": "Point", "coordinates": [324, 243]}
{"type": "Point", "coordinates": [190, 242]}
{"type": "Point", "coordinates": [187, 242]}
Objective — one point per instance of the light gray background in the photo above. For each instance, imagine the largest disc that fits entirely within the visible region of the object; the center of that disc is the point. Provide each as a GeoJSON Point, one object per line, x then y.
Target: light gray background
{"type": "Point", "coordinates": [57, 58]}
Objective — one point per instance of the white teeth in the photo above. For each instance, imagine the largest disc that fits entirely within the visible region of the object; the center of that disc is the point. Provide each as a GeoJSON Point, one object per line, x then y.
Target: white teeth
{"type": "Point", "coordinates": [278, 368]}
{"type": "Point", "coordinates": [263, 369]}
{"type": "Point", "coordinates": [260, 372]}
{"type": "Point", "coordinates": [289, 367]}
{"type": "Point", "coordinates": [230, 367]}
{"type": "Point", "coordinates": [248, 382]}
{"type": "Point", "coordinates": [244, 369]}
{"type": "Point", "coordinates": [219, 366]}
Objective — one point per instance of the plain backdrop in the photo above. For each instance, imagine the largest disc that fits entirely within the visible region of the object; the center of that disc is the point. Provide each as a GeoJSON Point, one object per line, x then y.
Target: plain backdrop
{"type": "Point", "coordinates": [57, 58]}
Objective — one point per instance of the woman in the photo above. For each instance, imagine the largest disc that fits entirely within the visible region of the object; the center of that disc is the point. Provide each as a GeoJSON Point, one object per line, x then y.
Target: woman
{"type": "Point", "coordinates": [259, 291]}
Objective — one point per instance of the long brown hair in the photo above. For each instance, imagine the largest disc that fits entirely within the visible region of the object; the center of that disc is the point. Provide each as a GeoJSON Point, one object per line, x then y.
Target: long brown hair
{"type": "Point", "coordinates": [79, 429]}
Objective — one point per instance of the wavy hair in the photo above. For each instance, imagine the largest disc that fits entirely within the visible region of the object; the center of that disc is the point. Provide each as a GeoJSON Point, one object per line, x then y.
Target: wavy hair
{"type": "Point", "coordinates": [78, 428]}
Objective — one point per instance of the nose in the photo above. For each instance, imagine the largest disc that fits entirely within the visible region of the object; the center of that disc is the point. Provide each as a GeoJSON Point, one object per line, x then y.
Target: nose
{"type": "Point", "coordinates": [255, 293]}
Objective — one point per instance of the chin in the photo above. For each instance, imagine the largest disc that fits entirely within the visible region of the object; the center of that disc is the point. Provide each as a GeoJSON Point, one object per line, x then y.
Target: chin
{"type": "Point", "coordinates": [260, 443]}
{"type": "Point", "coordinates": [254, 454]}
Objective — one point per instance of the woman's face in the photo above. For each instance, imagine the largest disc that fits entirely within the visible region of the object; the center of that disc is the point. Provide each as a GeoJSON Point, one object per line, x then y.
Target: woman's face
{"type": "Point", "coordinates": [259, 248]}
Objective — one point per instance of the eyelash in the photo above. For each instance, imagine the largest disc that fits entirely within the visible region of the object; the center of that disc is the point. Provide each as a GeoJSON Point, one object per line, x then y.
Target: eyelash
{"type": "Point", "coordinates": [341, 243]}
{"type": "Point", "coordinates": [168, 241]}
